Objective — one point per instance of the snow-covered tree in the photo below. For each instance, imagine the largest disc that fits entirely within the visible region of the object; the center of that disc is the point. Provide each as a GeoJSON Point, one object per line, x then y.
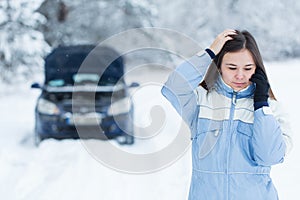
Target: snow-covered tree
{"type": "Point", "coordinates": [82, 21]}
{"type": "Point", "coordinates": [273, 23]}
{"type": "Point", "coordinates": [22, 47]}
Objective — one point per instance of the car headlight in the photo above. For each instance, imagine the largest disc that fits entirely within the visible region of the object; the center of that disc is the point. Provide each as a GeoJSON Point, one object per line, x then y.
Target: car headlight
{"type": "Point", "coordinates": [119, 107]}
{"type": "Point", "coordinates": [47, 107]}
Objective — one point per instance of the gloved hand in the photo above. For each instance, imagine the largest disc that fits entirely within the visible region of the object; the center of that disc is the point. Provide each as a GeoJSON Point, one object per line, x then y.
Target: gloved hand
{"type": "Point", "coordinates": [261, 93]}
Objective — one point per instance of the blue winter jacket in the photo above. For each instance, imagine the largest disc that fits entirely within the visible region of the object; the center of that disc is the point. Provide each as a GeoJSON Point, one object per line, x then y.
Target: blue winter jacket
{"type": "Point", "coordinates": [233, 146]}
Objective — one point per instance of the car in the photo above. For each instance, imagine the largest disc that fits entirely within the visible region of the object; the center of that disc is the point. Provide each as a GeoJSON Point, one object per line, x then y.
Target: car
{"type": "Point", "coordinates": [84, 95]}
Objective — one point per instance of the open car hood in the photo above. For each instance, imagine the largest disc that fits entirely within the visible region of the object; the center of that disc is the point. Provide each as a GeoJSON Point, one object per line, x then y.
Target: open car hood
{"type": "Point", "coordinates": [86, 88]}
{"type": "Point", "coordinates": [64, 62]}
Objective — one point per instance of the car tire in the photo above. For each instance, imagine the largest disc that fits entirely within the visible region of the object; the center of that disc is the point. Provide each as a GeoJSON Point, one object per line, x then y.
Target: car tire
{"type": "Point", "coordinates": [37, 139]}
{"type": "Point", "coordinates": [129, 139]}
{"type": "Point", "coordinates": [125, 139]}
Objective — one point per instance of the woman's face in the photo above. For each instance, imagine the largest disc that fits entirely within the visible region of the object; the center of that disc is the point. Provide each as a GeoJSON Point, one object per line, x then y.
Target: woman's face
{"type": "Point", "coordinates": [237, 68]}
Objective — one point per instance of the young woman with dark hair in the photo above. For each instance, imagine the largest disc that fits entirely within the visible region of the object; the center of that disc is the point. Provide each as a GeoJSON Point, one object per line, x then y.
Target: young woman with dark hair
{"type": "Point", "coordinates": [238, 131]}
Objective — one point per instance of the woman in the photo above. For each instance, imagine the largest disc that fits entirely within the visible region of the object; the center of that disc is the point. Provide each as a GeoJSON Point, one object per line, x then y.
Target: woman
{"type": "Point", "coordinates": [238, 133]}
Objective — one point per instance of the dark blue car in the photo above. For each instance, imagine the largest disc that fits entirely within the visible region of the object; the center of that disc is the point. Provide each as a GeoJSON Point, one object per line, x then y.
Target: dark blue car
{"type": "Point", "coordinates": [84, 96]}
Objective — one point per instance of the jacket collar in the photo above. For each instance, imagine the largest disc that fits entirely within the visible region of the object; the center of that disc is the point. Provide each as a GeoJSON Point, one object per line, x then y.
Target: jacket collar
{"type": "Point", "coordinates": [222, 88]}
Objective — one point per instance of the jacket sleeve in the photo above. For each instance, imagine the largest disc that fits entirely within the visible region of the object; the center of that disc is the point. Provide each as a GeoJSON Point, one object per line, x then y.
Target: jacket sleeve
{"type": "Point", "coordinates": [180, 87]}
{"type": "Point", "coordinates": [271, 136]}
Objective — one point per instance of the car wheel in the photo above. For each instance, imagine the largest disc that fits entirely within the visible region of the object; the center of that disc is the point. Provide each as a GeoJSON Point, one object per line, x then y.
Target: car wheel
{"type": "Point", "coordinates": [125, 139]}
{"type": "Point", "coordinates": [129, 139]}
{"type": "Point", "coordinates": [37, 139]}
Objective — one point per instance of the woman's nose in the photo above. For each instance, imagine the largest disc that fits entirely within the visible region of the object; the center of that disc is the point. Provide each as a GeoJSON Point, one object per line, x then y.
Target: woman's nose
{"type": "Point", "coordinates": [239, 74]}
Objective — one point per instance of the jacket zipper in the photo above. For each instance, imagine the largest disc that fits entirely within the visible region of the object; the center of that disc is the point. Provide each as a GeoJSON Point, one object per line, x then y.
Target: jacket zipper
{"type": "Point", "coordinates": [228, 140]}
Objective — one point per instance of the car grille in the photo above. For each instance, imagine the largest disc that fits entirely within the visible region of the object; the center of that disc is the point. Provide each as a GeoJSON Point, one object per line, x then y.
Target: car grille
{"type": "Point", "coordinates": [84, 108]}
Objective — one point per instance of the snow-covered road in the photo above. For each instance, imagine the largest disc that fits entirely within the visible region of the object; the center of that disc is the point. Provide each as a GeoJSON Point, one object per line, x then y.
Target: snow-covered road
{"type": "Point", "coordinates": [67, 169]}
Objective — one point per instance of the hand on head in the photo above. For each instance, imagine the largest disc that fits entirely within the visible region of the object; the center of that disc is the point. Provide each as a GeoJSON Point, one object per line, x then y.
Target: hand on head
{"type": "Point", "coordinates": [221, 39]}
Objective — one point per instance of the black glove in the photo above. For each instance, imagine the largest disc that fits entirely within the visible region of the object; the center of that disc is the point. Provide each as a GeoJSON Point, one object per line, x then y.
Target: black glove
{"type": "Point", "coordinates": [261, 93]}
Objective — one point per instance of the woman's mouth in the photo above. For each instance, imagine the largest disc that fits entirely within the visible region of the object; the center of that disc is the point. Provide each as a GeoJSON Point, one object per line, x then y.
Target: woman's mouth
{"type": "Point", "coordinates": [239, 84]}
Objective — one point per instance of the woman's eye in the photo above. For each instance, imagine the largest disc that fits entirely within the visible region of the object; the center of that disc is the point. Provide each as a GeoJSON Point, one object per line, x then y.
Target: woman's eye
{"type": "Point", "coordinates": [232, 68]}
{"type": "Point", "coordinates": [248, 69]}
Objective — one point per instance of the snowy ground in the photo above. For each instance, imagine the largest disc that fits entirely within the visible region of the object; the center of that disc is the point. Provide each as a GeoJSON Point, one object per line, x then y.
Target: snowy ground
{"type": "Point", "coordinates": [67, 170]}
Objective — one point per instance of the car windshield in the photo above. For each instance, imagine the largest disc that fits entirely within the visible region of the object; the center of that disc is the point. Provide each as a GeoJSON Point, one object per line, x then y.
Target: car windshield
{"type": "Point", "coordinates": [103, 67]}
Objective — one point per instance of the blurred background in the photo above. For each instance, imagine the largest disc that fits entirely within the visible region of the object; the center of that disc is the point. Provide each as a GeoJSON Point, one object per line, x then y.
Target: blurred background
{"type": "Point", "coordinates": [31, 29]}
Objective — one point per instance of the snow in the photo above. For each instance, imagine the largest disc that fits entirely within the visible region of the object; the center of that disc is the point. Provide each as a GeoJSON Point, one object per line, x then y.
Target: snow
{"type": "Point", "coordinates": [68, 169]}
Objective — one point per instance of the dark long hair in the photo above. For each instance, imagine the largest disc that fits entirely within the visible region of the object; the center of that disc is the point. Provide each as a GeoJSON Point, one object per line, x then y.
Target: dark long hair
{"type": "Point", "coordinates": [242, 40]}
